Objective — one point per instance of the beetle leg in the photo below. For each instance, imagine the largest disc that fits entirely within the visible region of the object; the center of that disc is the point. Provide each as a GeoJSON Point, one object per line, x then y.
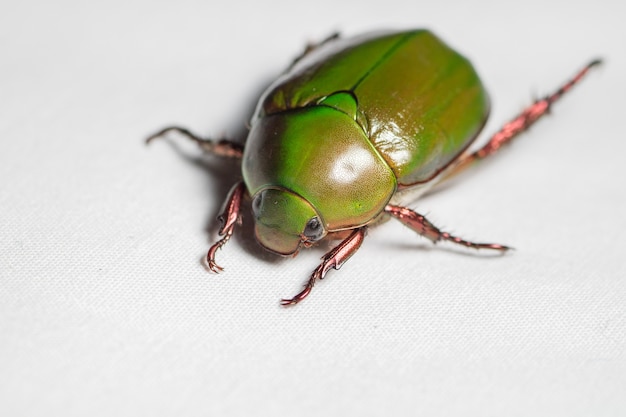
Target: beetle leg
{"type": "Point", "coordinates": [310, 47]}
{"type": "Point", "coordinates": [332, 259]}
{"type": "Point", "coordinates": [229, 217]}
{"type": "Point", "coordinates": [521, 122]}
{"type": "Point", "coordinates": [423, 227]}
{"type": "Point", "coordinates": [222, 147]}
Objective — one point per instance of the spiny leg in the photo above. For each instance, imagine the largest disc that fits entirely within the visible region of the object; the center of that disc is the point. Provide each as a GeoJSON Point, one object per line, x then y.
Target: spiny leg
{"type": "Point", "coordinates": [229, 217]}
{"type": "Point", "coordinates": [333, 259]}
{"type": "Point", "coordinates": [521, 123]}
{"type": "Point", "coordinates": [423, 227]}
{"type": "Point", "coordinates": [222, 147]}
{"type": "Point", "coordinates": [310, 47]}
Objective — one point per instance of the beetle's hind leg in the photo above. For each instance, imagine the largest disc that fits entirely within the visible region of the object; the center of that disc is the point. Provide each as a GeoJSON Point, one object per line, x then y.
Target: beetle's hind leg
{"type": "Point", "coordinates": [520, 123]}
{"type": "Point", "coordinates": [333, 259]}
{"type": "Point", "coordinates": [221, 147]}
{"type": "Point", "coordinates": [423, 227]}
{"type": "Point", "coordinates": [310, 47]}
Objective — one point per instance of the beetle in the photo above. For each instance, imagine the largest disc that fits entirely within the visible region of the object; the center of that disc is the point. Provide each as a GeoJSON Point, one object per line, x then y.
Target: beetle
{"type": "Point", "coordinates": [353, 131]}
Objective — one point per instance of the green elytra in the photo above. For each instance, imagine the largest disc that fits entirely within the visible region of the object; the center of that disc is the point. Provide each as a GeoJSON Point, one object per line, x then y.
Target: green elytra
{"type": "Point", "coordinates": [351, 131]}
{"type": "Point", "coordinates": [352, 122]}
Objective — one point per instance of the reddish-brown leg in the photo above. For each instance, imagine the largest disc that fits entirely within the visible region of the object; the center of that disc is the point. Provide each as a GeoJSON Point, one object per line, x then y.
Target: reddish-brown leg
{"type": "Point", "coordinates": [422, 226]}
{"type": "Point", "coordinates": [229, 217]}
{"type": "Point", "coordinates": [222, 147]}
{"type": "Point", "coordinates": [310, 47]}
{"type": "Point", "coordinates": [333, 259]}
{"type": "Point", "coordinates": [521, 123]}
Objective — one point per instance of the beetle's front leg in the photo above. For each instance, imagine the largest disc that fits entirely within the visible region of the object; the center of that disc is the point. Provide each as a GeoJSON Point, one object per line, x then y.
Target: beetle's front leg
{"type": "Point", "coordinates": [333, 259]}
{"type": "Point", "coordinates": [222, 147]}
{"type": "Point", "coordinates": [423, 227]}
{"type": "Point", "coordinates": [229, 217]}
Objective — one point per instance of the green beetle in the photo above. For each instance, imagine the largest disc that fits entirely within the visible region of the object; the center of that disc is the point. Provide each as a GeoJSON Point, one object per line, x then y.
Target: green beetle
{"type": "Point", "coordinates": [350, 133]}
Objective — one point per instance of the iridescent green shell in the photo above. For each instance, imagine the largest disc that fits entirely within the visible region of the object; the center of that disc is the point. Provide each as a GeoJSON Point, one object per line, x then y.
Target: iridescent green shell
{"type": "Point", "coordinates": [355, 121]}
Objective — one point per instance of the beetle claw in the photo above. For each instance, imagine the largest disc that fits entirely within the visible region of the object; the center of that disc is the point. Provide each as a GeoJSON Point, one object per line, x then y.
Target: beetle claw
{"type": "Point", "coordinates": [214, 267]}
{"type": "Point", "coordinates": [210, 256]}
{"type": "Point", "coordinates": [496, 246]}
{"type": "Point", "coordinates": [333, 259]}
{"type": "Point", "coordinates": [301, 295]}
{"type": "Point", "coordinates": [229, 218]}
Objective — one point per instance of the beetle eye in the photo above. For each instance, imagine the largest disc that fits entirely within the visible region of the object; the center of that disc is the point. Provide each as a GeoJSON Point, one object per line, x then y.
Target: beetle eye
{"type": "Point", "coordinates": [314, 230]}
{"type": "Point", "coordinates": [256, 205]}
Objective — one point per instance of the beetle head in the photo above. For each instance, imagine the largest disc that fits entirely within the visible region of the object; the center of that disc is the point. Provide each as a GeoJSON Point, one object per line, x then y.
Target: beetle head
{"type": "Point", "coordinates": [284, 221]}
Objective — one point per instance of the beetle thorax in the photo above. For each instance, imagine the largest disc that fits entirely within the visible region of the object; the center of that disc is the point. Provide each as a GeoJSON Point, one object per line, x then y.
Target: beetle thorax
{"type": "Point", "coordinates": [324, 157]}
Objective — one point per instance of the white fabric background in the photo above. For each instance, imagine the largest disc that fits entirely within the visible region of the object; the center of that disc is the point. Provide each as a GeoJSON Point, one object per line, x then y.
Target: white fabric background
{"type": "Point", "coordinates": [105, 308]}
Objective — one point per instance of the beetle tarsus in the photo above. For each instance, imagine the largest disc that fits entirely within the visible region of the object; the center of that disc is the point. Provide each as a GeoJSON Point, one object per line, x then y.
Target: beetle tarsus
{"type": "Point", "coordinates": [229, 216]}
{"type": "Point", "coordinates": [210, 257]}
{"type": "Point", "coordinates": [522, 122]}
{"type": "Point", "coordinates": [420, 224]}
{"type": "Point", "coordinates": [335, 258]}
{"type": "Point", "coordinates": [573, 81]}
{"type": "Point", "coordinates": [302, 294]}
{"type": "Point", "coordinates": [222, 147]}
{"type": "Point", "coordinates": [310, 47]}
{"type": "Point", "coordinates": [494, 246]}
